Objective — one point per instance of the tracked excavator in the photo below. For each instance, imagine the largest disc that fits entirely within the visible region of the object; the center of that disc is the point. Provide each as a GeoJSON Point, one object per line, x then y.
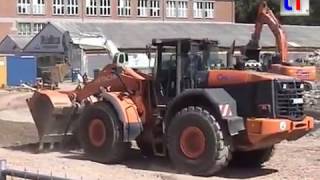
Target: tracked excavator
{"type": "Point", "coordinates": [276, 64]}
{"type": "Point", "coordinates": [201, 117]}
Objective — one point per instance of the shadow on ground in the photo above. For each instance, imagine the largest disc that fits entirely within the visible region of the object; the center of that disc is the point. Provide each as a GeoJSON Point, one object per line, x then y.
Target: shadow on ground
{"type": "Point", "coordinates": [245, 173]}
{"type": "Point", "coordinates": [18, 136]}
{"type": "Point", "coordinates": [33, 148]}
{"type": "Point", "coordinates": [155, 164]}
{"type": "Point", "coordinates": [162, 164]}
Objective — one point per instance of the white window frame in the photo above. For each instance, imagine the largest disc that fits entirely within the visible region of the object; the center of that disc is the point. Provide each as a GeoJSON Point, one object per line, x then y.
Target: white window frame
{"type": "Point", "coordinates": [182, 8]}
{"type": "Point", "coordinates": [209, 7]}
{"type": "Point", "coordinates": [203, 9]}
{"type": "Point", "coordinates": [143, 8]}
{"type": "Point", "coordinates": [38, 7]}
{"type": "Point", "coordinates": [58, 7]}
{"type": "Point", "coordinates": [124, 7]}
{"type": "Point", "coordinates": [154, 8]}
{"type": "Point", "coordinates": [37, 27]}
{"type": "Point", "coordinates": [171, 8]}
{"type": "Point", "coordinates": [197, 9]}
{"type": "Point", "coordinates": [105, 7]}
{"type": "Point", "coordinates": [72, 7]}
{"type": "Point", "coordinates": [23, 6]}
{"type": "Point", "coordinates": [24, 29]}
{"type": "Point", "coordinates": [91, 7]}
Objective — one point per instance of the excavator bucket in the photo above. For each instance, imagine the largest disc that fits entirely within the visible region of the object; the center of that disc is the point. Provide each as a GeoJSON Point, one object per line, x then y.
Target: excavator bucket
{"type": "Point", "coordinates": [52, 112]}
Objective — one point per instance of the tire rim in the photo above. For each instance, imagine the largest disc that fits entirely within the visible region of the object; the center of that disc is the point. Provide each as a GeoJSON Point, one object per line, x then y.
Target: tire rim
{"type": "Point", "coordinates": [192, 142]}
{"type": "Point", "coordinates": [97, 132]}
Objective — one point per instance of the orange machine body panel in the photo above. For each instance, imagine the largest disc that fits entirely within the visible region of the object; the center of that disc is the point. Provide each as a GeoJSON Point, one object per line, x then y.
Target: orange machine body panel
{"type": "Point", "coordinates": [307, 73]}
{"type": "Point", "coordinates": [266, 16]}
{"type": "Point", "coordinates": [263, 132]}
{"type": "Point", "coordinates": [128, 107]}
{"type": "Point", "coordinates": [220, 78]}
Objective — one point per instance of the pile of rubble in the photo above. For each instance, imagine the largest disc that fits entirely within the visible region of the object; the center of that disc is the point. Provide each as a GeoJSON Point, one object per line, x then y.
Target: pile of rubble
{"type": "Point", "coordinates": [312, 107]}
{"type": "Point", "coordinates": [311, 59]}
{"type": "Point", "coordinates": [312, 101]}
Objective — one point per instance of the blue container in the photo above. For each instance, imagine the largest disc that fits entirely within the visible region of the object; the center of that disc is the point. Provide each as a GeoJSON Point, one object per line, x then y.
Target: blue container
{"type": "Point", "coordinates": [21, 69]}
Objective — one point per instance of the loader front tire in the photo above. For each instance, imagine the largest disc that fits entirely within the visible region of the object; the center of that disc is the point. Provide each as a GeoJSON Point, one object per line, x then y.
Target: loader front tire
{"type": "Point", "coordinates": [101, 134]}
{"type": "Point", "coordinates": [196, 143]}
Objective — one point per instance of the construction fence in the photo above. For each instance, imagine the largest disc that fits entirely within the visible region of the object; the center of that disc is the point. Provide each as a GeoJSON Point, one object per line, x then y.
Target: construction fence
{"type": "Point", "coordinates": [8, 174]}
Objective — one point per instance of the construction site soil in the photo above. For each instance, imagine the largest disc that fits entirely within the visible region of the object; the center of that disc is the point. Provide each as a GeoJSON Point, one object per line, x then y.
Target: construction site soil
{"type": "Point", "coordinates": [18, 137]}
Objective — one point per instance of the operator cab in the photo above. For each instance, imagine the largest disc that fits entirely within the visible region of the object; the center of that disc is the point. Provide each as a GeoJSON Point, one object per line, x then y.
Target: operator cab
{"type": "Point", "coordinates": [182, 61]}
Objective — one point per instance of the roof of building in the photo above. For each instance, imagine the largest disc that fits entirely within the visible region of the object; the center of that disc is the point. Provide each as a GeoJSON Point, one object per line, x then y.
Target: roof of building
{"type": "Point", "coordinates": [14, 43]}
{"type": "Point", "coordinates": [21, 41]}
{"type": "Point", "coordinates": [135, 35]}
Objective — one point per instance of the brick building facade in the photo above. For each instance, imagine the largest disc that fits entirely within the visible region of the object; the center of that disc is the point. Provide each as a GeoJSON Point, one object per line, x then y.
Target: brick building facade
{"type": "Point", "coordinates": [27, 17]}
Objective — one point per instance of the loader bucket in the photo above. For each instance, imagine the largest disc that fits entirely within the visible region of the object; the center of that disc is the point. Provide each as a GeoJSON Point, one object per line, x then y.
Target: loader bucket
{"type": "Point", "coordinates": [52, 113]}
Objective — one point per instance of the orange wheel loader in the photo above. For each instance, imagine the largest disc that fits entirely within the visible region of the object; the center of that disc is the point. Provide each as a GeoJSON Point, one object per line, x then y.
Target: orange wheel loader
{"type": "Point", "coordinates": [201, 117]}
{"type": "Point", "coordinates": [282, 64]}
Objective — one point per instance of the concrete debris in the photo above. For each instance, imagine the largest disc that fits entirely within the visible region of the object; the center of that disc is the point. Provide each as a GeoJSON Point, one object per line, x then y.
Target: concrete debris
{"type": "Point", "coordinates": [316, 131]}
{"type": "Point", "coordinates": [312, 107]}
{"type": "Point", "coordinates": [312, 59]}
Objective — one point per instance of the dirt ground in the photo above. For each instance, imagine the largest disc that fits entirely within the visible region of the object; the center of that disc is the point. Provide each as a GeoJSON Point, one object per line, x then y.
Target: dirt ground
{"type": "Point", "coordinates": [292, 160]}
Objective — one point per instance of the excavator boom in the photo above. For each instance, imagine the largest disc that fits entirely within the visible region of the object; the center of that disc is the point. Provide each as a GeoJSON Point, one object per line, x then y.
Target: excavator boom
{"type": "Point", "coordinates": [285, 66]}
{"type": "Point", "coordinates": [266, 16]}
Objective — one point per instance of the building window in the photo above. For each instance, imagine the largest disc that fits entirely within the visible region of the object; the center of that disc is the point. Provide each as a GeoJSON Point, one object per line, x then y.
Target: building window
{"type": "Point", "coordinates": [37, 27]}
{"type": "Point", "coordinates": [182, 8]}
{"type": "Point", "coordinates": [197, 9]}
{"type": "Point", "coordinates": [72, 7]}
{"type": "Point", "coordinates": [208, 9]}
{"type": "Point", "coordinates": [58, 7]}
{"type": "Point", "coordinates": [203, 9]}
{"type": "Point", "coordinates": [24, 29]}
{"type": "Point", "coordinates": [27, 29]}
{"type": "Point", "coordinates": [124, 7]}
{"type": "Point", "coordinates": [105, 8]}
{"type": "Point", "coordinates": [143, 8]}
{"type": "Point", "coordinates": [91, 6]}
{"type": "Point", "coordinates": [155, 8]}
{"type": "Point", "coordinates": [38, 7]}
{"type": "Point", "coordinates": [171, 9]}
{"type": "Point", "coordinates": [149, 8]}
{"type": "Point", "coordinates": [177, 8]}
{"type": "Point", "coordinates": [24, 7]}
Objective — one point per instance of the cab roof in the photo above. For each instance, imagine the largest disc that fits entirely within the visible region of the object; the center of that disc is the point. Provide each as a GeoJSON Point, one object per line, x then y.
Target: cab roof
{"type": "Point", "coordinates": [174, 41]}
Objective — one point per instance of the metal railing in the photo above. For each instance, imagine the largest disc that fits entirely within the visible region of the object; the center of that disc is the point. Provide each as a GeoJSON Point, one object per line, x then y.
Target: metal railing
{"type": "Point", "coordinates": [5, 173]}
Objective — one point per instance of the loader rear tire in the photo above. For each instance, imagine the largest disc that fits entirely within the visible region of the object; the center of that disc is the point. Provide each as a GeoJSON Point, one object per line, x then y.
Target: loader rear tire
{"type": "Point", "coordinates": [254, 158]}
{"type": "Point", "coordinates": [101, 134]}
{"type": "Point", "coordinates": [196, 143]}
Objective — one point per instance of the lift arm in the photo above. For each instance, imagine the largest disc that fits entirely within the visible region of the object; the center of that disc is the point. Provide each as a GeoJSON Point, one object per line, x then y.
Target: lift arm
{"type": "Point", "coordinates": [112, 78]}
{"type": "Point", "coordinates": [266, 16]}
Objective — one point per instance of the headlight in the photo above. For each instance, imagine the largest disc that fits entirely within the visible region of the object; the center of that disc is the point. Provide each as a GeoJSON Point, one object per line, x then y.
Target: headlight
{"type": "Point", "coordinates": [301, 86]}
